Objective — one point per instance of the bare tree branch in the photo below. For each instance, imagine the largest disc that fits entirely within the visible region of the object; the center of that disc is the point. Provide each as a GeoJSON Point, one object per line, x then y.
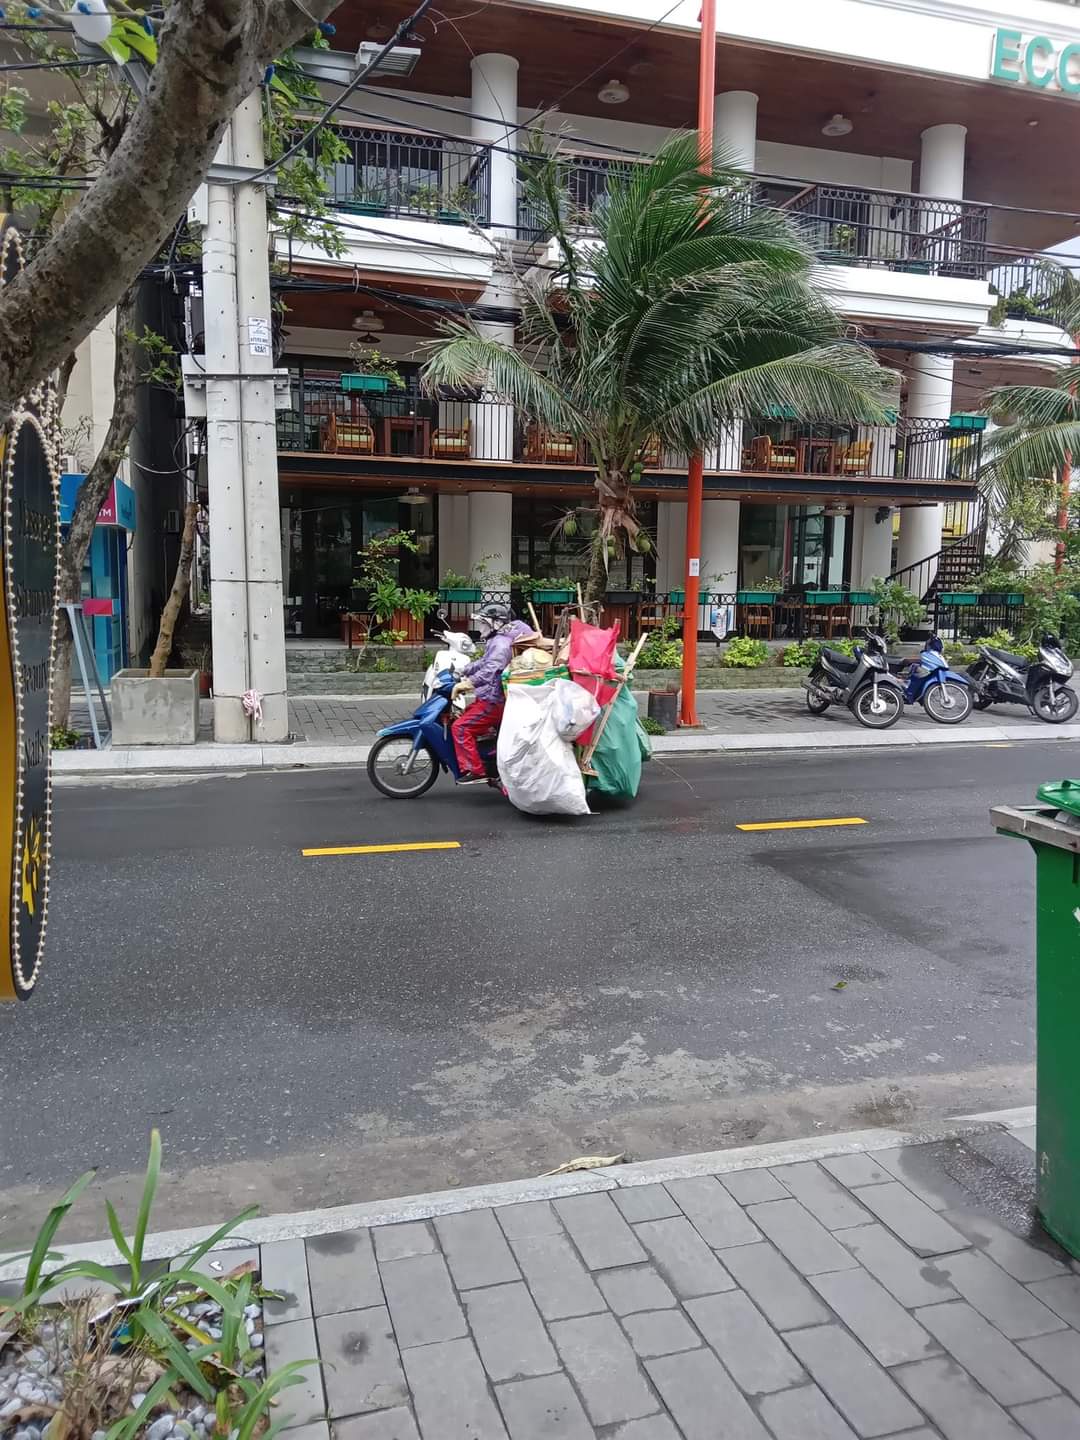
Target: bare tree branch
{"type": "Point", "coordinates": [212, 53]}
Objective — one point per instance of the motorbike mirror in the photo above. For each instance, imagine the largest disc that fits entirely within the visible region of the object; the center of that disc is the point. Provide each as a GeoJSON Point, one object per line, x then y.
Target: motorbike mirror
{"type": "Point", "coordinates": [442, 614]}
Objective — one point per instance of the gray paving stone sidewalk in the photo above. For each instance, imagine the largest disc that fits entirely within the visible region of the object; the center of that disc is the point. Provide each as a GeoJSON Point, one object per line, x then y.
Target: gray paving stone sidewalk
{"type": "Point", "coordinates": [866, 1295]}
{"type": "Point", "coordinates": [325, 721]}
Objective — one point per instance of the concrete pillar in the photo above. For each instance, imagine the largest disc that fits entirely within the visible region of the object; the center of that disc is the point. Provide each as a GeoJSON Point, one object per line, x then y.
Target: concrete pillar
{"type": "Point", "coordinates": [490, 517]}
{"type": "Point", "coordinates": [453, 534]}
{"type": "Point", "coordinates": [871, 546]}
{"type": "Point", "coordinates": [930, 389]}
{"type": "Point", "coordinates": [735, 128]}
{"type": "Point", "coordinates": [492, 423]}
{"type": "Point", "coordinates": [720, 545]}
{"type": "Point", "coordinates": [941, 161]}
{"type": "Point", "coordinates": [670, 545]}
{"type": "Point", "coordinates": [494, 95]}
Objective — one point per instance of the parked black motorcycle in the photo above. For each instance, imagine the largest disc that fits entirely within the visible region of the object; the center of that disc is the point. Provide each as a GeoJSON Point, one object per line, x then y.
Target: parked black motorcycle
{"type": "Point", "coordinates": [862, 683]}
{"type": "Point", "coordinates": [1001, 678]}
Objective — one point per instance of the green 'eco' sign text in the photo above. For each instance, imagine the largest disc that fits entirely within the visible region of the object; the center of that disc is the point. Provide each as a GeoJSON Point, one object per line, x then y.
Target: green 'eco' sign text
{"type": "Point", "coordinates": [1037, 61]}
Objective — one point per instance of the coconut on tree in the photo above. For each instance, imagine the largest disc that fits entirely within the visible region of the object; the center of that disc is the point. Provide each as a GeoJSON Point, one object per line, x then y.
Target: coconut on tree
{"type": "Point", "coordinates": [679, 306]}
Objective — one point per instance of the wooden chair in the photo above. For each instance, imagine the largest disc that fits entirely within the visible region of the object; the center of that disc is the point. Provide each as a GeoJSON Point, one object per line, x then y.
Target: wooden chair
{"type": "Point", "coordinates": [650, 454]}
{"type": "Point", "coordinates": [452, 444]}
{"type": "Point", "coordinates": [550, 446]}
{"type": "Point", "coordinates": [837, 617]}
{"type": "Point", "coordinates": [855, 459]}
{"type": "Point", "coordinates": [757, 620]}
{"type": "Point", "coordinates": [767, 456]}
{"type": "Point", "coordinates": [343, 433]}
{"type": "Point", "coordinates": [652, 614]}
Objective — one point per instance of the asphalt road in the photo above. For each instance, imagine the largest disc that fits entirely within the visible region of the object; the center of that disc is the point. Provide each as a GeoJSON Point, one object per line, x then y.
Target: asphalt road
{"type": "Point", "coordinates": [315, 1031]}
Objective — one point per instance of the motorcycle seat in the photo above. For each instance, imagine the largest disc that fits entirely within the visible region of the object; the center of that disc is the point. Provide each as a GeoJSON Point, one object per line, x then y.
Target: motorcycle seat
{"type": "Point", "coordinates": [1018, 662]}
{"type": "Point", "coordinates": [838, 660]}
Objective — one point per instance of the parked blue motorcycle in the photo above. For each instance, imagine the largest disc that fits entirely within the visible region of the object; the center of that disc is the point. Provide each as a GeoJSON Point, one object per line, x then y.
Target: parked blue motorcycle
{"type": "Point", "coordinates": [944, 694]}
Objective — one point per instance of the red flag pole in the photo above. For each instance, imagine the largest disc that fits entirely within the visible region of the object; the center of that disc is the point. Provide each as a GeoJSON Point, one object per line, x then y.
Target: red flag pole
{"type": "Point", "coordinates": [695, 480]}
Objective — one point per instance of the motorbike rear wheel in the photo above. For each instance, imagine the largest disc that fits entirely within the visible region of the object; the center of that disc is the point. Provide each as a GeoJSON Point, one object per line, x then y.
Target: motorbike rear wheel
{"type": "Point", "coordinates": [1062, 707]}
{"type": "Point", "coordinates": [948, 703]}
{"type": "Point", "coordinates": [982, 702]}
{"type": "Point", "coordinates": [890, 706]}
{"type": "Point", "coordinates": [816, 704]}
{"type": "Point", "coordinates": [386, 768]}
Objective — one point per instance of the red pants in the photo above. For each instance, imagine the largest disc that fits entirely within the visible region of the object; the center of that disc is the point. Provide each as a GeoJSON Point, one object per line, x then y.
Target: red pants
{"type": "Point", "coordinates": [481, 718]}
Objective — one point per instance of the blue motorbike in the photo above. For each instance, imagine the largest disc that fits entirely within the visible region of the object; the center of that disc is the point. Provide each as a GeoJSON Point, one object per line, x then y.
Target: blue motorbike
{"type": "Point", "coordinates": [944, 694]}
{"type": "Point", "coordinates": [406, 758]}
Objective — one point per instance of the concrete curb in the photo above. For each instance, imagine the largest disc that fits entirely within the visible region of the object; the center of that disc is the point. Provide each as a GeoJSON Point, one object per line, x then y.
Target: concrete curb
{"type": "Point", "coordinates": [266, 1229]}
{"type": "Point", "coordinates": [199, 758]}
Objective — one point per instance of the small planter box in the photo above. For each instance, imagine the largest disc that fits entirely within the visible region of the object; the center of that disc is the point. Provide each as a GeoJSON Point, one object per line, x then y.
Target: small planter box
{"type": "Point", "coordinates": [373, 384]}
{"type": "Point", "coordinates": [959, 597]}
{"type": "Point", "coordinates": [1001, 597]}
{"type": "Point", "coordinates": [158, 711]}
{"type": "Point", "coordinates": [967, 422]}
{"type": "Point", "coordinates": [861, 597]}
{"type": "Point", "coordinates": [757, 597]}
{"type": "Point", "coordinates": [460, 597]}
{"type": "Point", "coordinates": [552, 597]}
{"type": "Point", "coordinates": [677, 597]}
{"type": "Point", "coordinates": [824, 597]}
{"type": "Point", "coordinates": [622, 597]}
{"type": "Point", "coordinates": [413, 628]}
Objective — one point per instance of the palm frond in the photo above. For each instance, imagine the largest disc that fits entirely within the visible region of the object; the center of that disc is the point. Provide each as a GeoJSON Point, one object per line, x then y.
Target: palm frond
{"type": "Point", "coordinates": [467, 358]}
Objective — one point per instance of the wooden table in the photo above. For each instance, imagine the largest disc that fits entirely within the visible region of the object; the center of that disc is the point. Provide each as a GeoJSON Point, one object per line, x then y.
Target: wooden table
{"type": "Point", "coordinates": [816, 456]}
{"type": "Point", "coordinates": [418, 426]}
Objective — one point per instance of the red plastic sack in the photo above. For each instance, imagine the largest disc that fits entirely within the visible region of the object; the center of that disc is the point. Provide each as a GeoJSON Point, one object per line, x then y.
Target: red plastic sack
{"type": "Point", "coordinates": [591, 662]}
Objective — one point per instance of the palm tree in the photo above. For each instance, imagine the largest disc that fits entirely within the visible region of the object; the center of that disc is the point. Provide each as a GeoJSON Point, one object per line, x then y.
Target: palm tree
{"type": "Point", "coordinates": [1039, 432]}
{"type": "Point", "coordinates": [682, 307]}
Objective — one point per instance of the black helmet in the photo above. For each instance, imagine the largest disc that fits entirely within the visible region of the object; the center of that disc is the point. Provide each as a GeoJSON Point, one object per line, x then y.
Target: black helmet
{"type": "Point", "coordinates": [496, 612]}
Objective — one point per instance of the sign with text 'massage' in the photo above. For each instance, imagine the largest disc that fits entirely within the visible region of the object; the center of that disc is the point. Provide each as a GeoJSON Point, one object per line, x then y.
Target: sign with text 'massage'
{"type": "Point", "coordinates": [29, 550]}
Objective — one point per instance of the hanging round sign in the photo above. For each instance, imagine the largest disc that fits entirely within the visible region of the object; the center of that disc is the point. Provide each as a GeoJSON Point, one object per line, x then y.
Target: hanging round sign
{"type": "Point", "coordinates": [29, 552]}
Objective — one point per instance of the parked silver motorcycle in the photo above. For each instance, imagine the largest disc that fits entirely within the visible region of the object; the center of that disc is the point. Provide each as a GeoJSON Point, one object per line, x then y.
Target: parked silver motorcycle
{"type": "Point", "coordinates": [861, 682]}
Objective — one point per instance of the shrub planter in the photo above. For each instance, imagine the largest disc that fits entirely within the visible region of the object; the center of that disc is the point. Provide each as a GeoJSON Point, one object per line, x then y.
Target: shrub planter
{"type": "Point", "coordinates": [460, 597]}
{"type": "Point", "coordinates": [1001, 597]}
{"type": "Point", "coordinates": [757, 597]}
{"type": "Point", "coordinates": [622, 597]}
{"type": "Point", "coordinates": [413, 628]}
{"type": "Point", "coordinates": [374, 384]}
{"type": "Point", "coordinates": [152, 711]}
{"type": "Point", "coordinates": [552, 597]}
{"type": "Point", "coordinates": [958, 597]}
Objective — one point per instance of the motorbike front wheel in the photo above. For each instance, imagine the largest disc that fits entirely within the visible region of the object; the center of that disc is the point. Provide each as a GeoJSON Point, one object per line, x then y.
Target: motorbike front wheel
{"type": "Point", "coordinates": [878, 714]}
{"type": "Point", "coordinates": [1056, 710]}
{"type": "Point", "coordinates": [386, 764]}
{"type": "Point", "coordinates": [947, 703]}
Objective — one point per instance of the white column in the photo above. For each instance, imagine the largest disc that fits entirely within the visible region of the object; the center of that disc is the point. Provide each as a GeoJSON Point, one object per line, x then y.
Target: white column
{"type": "Point", "coordinates": [490, 514]}
{"type": "Point", "coordinates": [670, 545]}
{"type": "Point", "coordinates": [494, 103]}
{"type": "Point", "coordinates": [941, 161]}
{"type": "Point", "coordinates": [720, 545]}
{"type": "Point", "coordinates": [453, 534]}
{"type": "Point", "coordinates": [871, 545]}
{"type": "Point", "coordinates": [247, 614]}
{"type": "Point", "coordinates": [492, 423]}
{"type": "Point", "coordinates": [930, 389]}
{"type": "Point", "coordinates": [735, 128]}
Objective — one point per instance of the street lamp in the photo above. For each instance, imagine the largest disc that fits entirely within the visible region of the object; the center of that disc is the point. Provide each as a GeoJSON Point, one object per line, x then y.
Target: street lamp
{"type": "Point", "coordinates": [695, 475]}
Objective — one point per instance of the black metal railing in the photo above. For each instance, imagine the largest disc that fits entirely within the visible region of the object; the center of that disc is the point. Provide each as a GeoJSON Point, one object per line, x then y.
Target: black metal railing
{"type": "Point", "coordinates": [586, 180]}
{"type": "Point", "coordinates": [891, 230]}
{"type": "Point", "coordinates": [399, 172]}
{"type": "Point", "coordinates": [471, 425]}
{"type": "Point", "coordinates": [1026, 287]}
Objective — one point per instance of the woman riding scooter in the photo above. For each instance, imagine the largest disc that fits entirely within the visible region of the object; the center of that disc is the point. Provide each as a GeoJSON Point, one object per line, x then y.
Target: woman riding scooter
{"type": "Point", "coordinates": [498, 630]}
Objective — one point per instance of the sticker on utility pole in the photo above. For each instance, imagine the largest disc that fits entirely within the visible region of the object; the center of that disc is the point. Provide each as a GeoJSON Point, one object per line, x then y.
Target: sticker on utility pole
{"type": "Point", "coordinates": [258, 336]}
{"type": "Point", "coordinates": [695, 567]}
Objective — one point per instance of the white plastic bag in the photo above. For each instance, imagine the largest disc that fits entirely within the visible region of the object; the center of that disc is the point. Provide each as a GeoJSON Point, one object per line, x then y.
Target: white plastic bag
{"type": "Point", "coordinates": [573, 709]}
{"type": "Point", "coordinates": [536, 765]}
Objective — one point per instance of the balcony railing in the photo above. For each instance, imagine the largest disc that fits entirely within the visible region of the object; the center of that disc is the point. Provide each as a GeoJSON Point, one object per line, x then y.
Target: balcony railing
{"type": "Point", "coordinates": [892, 230]}
{"type": "Point", "coordinates": [1027, 287]}
{"type": "Point", "coordinates": [396, 172]}
{"type": "Point", "coordinates": [474, 427]}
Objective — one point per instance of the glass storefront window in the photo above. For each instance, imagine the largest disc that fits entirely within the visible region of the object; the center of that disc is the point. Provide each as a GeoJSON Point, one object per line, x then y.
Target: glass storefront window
{"type": "Point", "coordinates": [540, 548]}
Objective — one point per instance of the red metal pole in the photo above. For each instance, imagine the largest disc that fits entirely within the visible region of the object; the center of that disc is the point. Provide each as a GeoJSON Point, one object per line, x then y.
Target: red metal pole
{"type": "Point", "coordinates": [694, 486]}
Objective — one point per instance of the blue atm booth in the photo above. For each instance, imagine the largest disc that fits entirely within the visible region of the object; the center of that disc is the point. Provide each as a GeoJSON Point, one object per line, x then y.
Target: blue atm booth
{"type": "Point", "coordinates": [104, 579]}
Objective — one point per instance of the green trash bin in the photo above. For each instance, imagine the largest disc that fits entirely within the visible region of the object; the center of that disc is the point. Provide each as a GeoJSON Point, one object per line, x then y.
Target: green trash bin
{"type": "Point", "coordinates": [1053, 829]}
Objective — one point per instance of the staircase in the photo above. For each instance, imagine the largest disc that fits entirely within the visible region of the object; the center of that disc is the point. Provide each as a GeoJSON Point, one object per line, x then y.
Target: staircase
{"type": "Point", "coordinates": [948, 568]}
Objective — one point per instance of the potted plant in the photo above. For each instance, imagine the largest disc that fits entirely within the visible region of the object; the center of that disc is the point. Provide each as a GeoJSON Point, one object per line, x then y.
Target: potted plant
{"type": "Point", "coordinates": [459, 587]}
{"type": "Point", "coordinates": [553, 591]}
{"type": "Point", "coordinates": [373, 372]}
{"type": "Point", "coordinates": [765, 591]}
{"type": "Point", "coordinates": [408, 617]}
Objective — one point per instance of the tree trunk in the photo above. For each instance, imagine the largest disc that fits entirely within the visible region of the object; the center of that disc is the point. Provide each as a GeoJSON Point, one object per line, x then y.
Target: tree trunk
{"type": "Point", "coordinates": [92, 496]}
{"type": "Point", "coordinates": [180, 586]}
{"type": "Point", "coordinates": [211, 54]}
{"type": "Point", "coordinates": [618, 521]}
{"type": "Point", "coordinates": [596, 583]}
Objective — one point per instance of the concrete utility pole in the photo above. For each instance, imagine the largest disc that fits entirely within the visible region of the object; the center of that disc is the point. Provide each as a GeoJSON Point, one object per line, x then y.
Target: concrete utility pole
{"type": "Point", "coordinates": [248, 626]}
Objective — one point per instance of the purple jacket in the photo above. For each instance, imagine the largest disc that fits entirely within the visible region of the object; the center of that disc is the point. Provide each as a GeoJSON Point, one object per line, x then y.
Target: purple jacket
{"type": "Point", "coordinates": [486, 673]}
